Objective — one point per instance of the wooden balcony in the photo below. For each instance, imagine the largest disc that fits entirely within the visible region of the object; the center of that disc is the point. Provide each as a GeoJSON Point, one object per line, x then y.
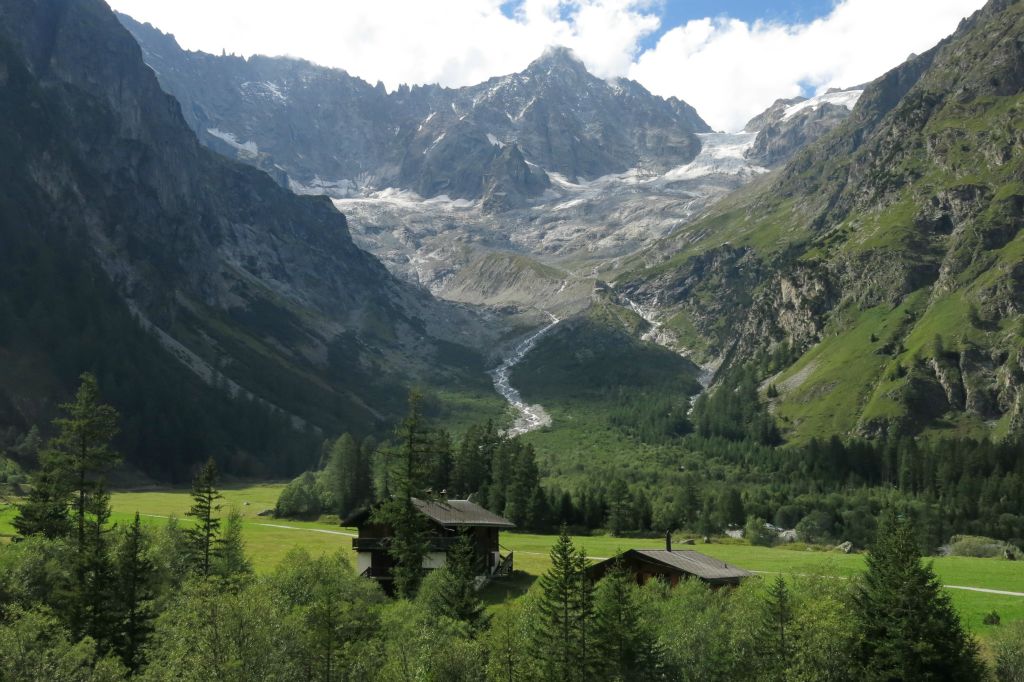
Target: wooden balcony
{"type": "Point", "coordinates": [439, 544]}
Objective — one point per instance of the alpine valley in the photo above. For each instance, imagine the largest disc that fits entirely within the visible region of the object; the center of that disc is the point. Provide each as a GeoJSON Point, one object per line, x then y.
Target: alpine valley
{"type": "Point", "coordinates": [279, 251]}
{"type": "Point", "coordinates": [451, 369]}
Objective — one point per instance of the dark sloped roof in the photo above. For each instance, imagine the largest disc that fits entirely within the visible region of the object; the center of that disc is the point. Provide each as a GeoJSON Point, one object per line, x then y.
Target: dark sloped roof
{"type": "Point", "coordinates": [460, 513]}
{"type": "Point", "coordinates": [443, 512]}
{"type": "Point", "coordinates": [695, 563]}
{"type": "Point", "coordinates": [685, 560]}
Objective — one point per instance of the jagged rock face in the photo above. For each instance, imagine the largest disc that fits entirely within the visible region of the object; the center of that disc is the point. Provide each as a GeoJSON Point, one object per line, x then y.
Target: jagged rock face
{"type": "Point", "coordinates": [332, 133]}
{"type": "Point", "coordinates": [897, 233]}
{"type": "Point", "coordinates": [772, 114]}
{"type": "Point", "coordinates": [789, 125]}
{"type": "Point", "coordinates": [778, 140]}
{"type": "Point", "coordinates": [217, 260]}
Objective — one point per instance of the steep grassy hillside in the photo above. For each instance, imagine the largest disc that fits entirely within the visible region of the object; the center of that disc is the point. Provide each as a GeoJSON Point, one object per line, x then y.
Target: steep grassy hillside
{"type": "Point", "coordinates": [889, 256]}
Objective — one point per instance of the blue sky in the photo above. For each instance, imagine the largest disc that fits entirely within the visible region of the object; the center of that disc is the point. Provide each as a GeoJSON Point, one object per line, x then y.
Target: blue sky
{"type": "Point", "coordinates": [676, 12]}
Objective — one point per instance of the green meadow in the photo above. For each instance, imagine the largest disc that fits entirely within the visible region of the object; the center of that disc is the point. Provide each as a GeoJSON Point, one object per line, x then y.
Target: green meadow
{"type": "Point", "coordinates": [269, 539]}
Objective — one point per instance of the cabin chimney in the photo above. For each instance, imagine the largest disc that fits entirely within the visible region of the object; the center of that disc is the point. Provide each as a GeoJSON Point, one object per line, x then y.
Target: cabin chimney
{"type": "Point", "coordinates": [668, 541]}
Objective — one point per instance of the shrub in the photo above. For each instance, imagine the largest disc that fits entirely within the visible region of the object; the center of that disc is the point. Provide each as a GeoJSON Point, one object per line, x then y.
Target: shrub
{"type": "Point", "coordinates": [757, 532]}
{"type": "Point", "coordinates": [991, 618]}
{"type": "Point", "coordinates": [816, 528]}
{"type": "Point", "coordinates": [979, 546]}
{"type": "Point", "coordinates": [300, 499]}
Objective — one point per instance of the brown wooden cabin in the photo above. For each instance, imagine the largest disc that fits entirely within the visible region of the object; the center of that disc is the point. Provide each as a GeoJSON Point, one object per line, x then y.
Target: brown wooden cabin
{"type": "Point", "coordinates": [671, 566]}
{"type": "Point", "coordinates": [450, 520]}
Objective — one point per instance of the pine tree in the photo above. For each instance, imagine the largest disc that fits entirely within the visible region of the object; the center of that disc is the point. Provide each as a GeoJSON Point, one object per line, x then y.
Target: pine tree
{"type": "Point", "coordinates": [585, 621]}
{"type": "Point", "coordinates": [343, 471]}
{"type": "Point", "coordinates": [95, 614]}
{"type": "Point", "coordinates": [471, 463]}
{"type": "Point", "coordinates": [135, 579]}
{"type": "Point", "coordinates": [73, 468]}
{"type": "Point", "coordinates": [908, 628]}
{"type": "Point", "coordinates": [232, 563]}
{"type": "Point", "coordinates": [775, 637]}
{"type": "Point", "coordinates": [45, 511]}
{"type": "Point", "coordinates": [408, 477]}
{"type": "Point", "coordinates": [620, 507]}
{"type": "Point", "coordinates": [455, 595]}
{"type": "Point", "coordinates": [730, 508]}
{"type": "Point", "coordinates": [203, 537]}
{"type": "Point", "coordinates": [565, 607]}
{"type": "Point", "coordinates": [624, 649]}
{"type": "Point", "coordinates": [81, 450]}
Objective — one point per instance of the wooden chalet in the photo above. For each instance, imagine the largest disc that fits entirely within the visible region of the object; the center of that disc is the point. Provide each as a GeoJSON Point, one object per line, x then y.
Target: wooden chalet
{"type": "Point", "coordinates": [671, 566]}
{"type": "Point", "coordinates": [449, 521]}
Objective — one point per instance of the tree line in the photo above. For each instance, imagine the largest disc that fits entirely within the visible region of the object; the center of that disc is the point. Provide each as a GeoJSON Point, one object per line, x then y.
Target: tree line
{"type": "Point", "coordinates": [485, 465]}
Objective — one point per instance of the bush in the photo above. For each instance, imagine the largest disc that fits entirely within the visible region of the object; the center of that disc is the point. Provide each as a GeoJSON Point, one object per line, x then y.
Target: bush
{"type": "Point", "coordinates": [979, 546]}
{"type": "Point", "coordinates": [757, 532]}
{"type": "Point", "coordinates": [991, 618]}
{"type": "Point", "coordinates": [816, 528]}
{"type": "Point", "coordinates": [300, 499]}
{"type": "Point", "coordinates": [1008, 653]}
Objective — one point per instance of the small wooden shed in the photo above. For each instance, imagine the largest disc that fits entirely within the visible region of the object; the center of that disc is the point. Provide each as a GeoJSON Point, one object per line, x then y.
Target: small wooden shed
{"type": "Point", "coordinates": [671, 566]}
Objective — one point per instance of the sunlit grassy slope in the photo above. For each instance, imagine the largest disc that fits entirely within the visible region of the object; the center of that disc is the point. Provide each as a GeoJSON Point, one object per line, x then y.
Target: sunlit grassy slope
{"type": "Point", "coordinates": [268, 540]}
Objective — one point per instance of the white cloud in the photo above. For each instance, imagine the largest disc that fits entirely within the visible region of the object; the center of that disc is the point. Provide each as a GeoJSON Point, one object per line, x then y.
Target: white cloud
{"type": "Point", "coordinates": [728, 69]}
{"type": "Point", "coordinates": [731, 70]}
{"type": "Point", "coordinates": [454, 42]}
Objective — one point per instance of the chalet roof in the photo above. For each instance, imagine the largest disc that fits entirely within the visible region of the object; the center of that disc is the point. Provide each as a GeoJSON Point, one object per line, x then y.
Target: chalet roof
{"type": "Point", "coordinates": [700, 565]}
{"type": "Point", "coordinates": [460, 513]}
{"type": "Point", "coordinates": [444, 513]}
{"type": "Point", "coordinates": [687, 561]}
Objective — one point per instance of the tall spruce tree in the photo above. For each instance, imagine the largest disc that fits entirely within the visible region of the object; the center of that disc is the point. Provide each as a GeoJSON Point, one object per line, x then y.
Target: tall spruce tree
{"type": "Point", "coordinates": [74, 465]}
{"type": "Point", "coordinates": [563, 630]}
{"type": "Point", "coordinates": [455, 594]}
{"type": "Point", "coordinates": [775, 636]}
{"type": "Point", "coordinates": [45, 510]}
{"type": "Point", "coordinates": [204, 536]}
{"type": "Point", "coordinates": [232, 563]}
{"type": "Point", "coordinates": [81, 450]}
{"type": "Point", "coordinates": [347, 477]}
{"type": "Point", "coordinates": [907, 626]}
{"type": "Point", "coordinates": [96, 614]}
{"type": "Point", "coordinates": [135, 577]}
{"type": "Point", "coordinates": [623, 648]}
{"type": "Point", "coordinates": [471, 463]}
{"type": "Point", "coordinates": [410, 466]}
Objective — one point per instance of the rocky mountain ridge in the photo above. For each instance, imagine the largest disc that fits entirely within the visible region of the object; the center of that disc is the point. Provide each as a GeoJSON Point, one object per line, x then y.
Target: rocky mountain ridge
{"type": "Point", "coordinates": [550, 167]}
{"type": "Point", "coordinates": [328, 132]}
{"type": "Point", "coordinates": [256, 291]}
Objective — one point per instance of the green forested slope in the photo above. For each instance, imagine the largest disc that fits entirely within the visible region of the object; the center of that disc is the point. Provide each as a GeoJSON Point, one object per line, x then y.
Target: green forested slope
{"type": "Point", "coordinates": [889, 255]}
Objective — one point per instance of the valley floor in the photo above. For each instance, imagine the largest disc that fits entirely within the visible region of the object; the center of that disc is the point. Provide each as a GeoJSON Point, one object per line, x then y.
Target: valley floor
{"type": "Point", "coordinates": [268, 540]}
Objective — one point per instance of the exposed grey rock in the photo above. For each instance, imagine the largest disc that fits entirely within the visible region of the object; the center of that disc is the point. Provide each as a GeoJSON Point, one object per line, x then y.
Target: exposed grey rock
{"type": "Point", "coordinates": [333, 133]}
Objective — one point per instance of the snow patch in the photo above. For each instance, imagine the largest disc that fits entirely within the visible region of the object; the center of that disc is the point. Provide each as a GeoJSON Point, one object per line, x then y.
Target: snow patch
{"type": "Point", "coordinates": [720, 154]}
{"type": "Point", "coordinates": [426, 121]}
{"type": "Point", "coordinates": [264, 90]}
{"type": "Point", "coordinates": [246, 148]}
{"type": "Point", "coordinates": [843, 98]}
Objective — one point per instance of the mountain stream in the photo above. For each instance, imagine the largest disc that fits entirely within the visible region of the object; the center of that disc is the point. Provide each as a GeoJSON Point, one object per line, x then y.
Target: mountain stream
{"type": "Point", "coordinates": [530, 417]}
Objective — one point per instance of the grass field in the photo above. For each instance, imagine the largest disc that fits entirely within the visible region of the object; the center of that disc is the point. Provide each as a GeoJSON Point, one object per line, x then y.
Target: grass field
{"type": "Point", "coordinates": [268, 540]}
